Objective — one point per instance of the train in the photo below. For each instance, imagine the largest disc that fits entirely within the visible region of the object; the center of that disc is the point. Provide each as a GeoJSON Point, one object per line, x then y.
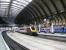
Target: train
{"type": "Point", "coordinates": [29, 30]}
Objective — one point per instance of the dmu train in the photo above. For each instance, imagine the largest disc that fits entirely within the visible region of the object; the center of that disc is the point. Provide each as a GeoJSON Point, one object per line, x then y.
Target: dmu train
{"type": "Point", "coordinates": [30, 30]}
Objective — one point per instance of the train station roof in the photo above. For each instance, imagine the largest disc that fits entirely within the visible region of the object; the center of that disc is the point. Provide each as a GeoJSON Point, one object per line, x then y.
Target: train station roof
{"type": "Point", "coordinates": [12, 7]}
{"type": "Point", "coordinates": [33, 10]}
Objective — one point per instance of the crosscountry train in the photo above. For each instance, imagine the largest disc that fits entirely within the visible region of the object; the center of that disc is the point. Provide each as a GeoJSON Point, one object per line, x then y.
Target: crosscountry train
{"type": "Point", "coordinates": [30, 30]}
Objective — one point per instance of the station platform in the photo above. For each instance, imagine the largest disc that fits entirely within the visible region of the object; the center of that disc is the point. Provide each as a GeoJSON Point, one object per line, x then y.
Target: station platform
{"type": "Point", "coordinates": [36, 43]}
{"type": "Point", "coordinates": [53, 34]}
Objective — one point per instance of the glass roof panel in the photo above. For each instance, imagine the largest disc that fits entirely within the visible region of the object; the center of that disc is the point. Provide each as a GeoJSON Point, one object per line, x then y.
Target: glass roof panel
{"type": "Point", "coordinates": [19, 4]}
{"type": "Point", "coordinates": [15, 9]}
{"type": "Point", "coordinates": [5, 0]}
{"type": "Point", "coordinates": [16, 5]}
{"type": "Point", "coordinates": [3, 8]}
{"type": "Point", "coordinates": [4, 3]}
{"type": "Point", "coordinates": [25, 0]}
{"type": "Point", "coordinates": [8, 7]}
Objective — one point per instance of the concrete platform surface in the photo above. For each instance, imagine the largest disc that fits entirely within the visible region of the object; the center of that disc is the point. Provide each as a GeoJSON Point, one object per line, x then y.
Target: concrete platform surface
{"type": "Point", "coordinates": [55, 34]}
{"type": "Point", "coordinates": [36, 43]}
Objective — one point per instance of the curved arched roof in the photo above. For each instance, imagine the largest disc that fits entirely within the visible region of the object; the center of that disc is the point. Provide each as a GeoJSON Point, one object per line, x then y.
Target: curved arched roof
{"type": "Point", "coordinates": [50, 9]}
{"type": "Point", "coordinates": [11, 8]}
{"type": "Point", "coordinates": [28, 11]}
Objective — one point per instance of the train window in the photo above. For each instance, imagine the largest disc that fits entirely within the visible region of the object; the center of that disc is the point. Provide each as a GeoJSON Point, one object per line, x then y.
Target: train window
{"type": "Point", "coordinates": [33, 28]}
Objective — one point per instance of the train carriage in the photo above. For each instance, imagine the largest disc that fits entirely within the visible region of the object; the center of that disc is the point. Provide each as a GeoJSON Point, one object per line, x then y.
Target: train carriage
{"type": "Point", "coordinates": [30, 30]}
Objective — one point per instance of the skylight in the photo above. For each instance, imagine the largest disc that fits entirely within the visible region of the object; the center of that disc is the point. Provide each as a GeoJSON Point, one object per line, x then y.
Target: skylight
{"type": "Point", "coordinates": [12, 7]}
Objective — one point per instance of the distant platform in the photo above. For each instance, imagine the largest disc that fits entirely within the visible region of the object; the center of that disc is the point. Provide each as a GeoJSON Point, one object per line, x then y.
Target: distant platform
{"type": "Point", "coordinates": [54, 34]}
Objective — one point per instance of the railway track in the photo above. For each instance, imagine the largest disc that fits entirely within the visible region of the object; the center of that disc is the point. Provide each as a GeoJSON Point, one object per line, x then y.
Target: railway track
{"type": "Point", "coordinates": [12, 44]}
{"type": "Point", "coordinates": [16, 46]}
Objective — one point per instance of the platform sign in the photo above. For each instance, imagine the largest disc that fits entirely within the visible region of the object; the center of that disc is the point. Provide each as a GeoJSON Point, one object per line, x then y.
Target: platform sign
{"type": "Point", "coordinates": [46, 30]}
{"type": "Point", "coordinates": [58, 29]}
